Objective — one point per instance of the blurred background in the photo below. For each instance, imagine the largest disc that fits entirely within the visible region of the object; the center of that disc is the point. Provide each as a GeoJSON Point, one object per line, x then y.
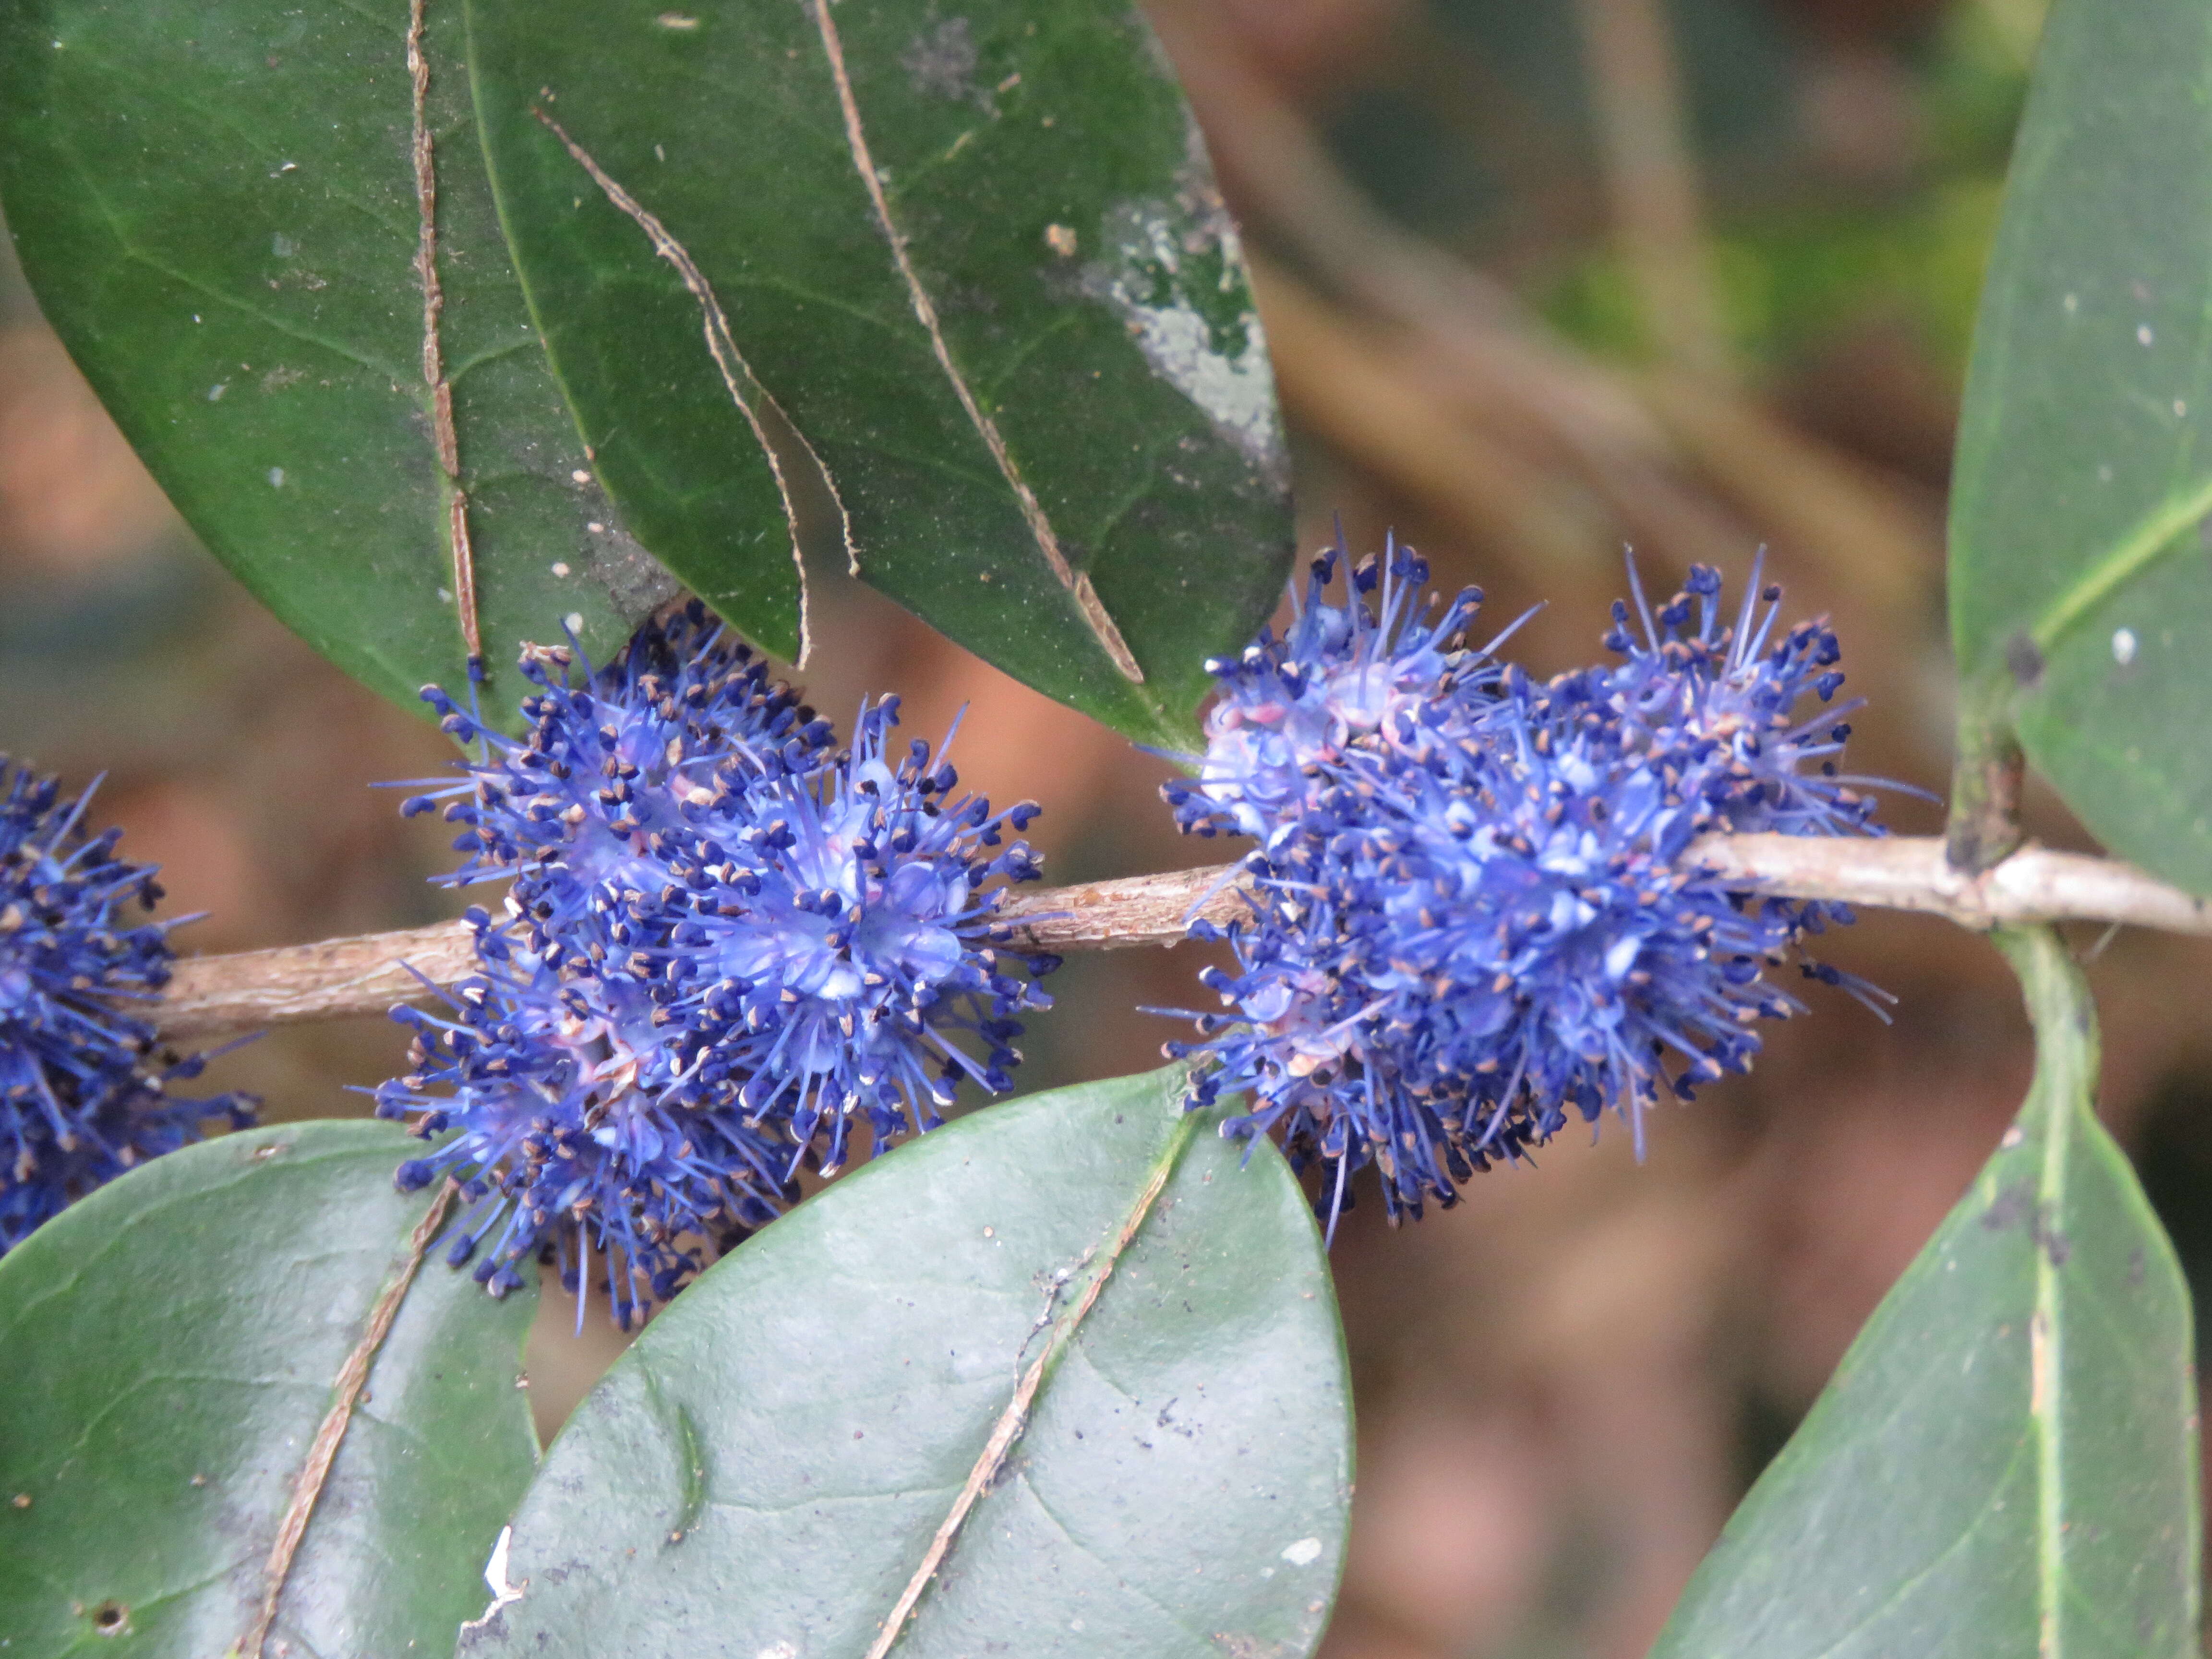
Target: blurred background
{"type": "Point", "coordinates": [1541, 278]}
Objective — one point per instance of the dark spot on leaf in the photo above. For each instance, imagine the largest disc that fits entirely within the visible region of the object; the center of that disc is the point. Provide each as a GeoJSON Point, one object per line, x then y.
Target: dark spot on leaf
{"type": "Point", "coordinates": [2055, 1243]}
{"type": "Point", "coordinates": [2012, 1206]}
{"type": "Point", "coordinates": [2024, 658]}
{"type": "Point", "coordinates": [110, 1618]}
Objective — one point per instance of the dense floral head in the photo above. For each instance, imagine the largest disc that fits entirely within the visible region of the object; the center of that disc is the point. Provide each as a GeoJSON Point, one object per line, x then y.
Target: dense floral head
{"type": "Point", "coordinates": [578, 1126]}
{"type": "Point", "coordinates": [1727, 701]}
{"type": "Point", "coordinates": [842, 934]}
{"type": "Point", "coordinates": [1377, 672]}
{"type": "Point", "coordinates": [80, 1101]}
{"type": "Point", "coordinates": [618, 765]}
{"type": "Point", "coordinates": [1456, 946]}
{"type": "Point", "coordinates": [780, 941]}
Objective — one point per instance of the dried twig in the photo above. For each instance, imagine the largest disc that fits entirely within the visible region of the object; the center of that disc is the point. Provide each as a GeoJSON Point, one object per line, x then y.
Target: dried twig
{"type": "Point", "coordinates": [433, 364]}
{"type": "Point", "coordinates": [1015, 1418]}
{"type": "Point", "coordinates": [339, 978]}
{"type": "Point", "coordinates": [352, 1376]}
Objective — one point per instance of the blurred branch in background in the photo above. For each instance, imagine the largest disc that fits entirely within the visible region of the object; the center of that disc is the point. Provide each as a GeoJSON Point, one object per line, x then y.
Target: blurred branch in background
{"type": "Point", "coordinates": [1652, 181]}
{"type": "Point", "coordinates": [1433, 376]}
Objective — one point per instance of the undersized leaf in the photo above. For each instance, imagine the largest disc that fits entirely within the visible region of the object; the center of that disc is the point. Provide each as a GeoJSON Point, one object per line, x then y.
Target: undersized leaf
{"type": "Point", "coordinates": [2080, 573]}
{"type": "Point", "coordinates": [2005, 1463]}
{"type": "Point", "coordinates": [767, 1470]}
{"type": "Point", "coordinates": [218, 206]}
{"type": "Point", "coordinates": [172, 1346]}
{"type": "Point", "coordinates": [973, 256]}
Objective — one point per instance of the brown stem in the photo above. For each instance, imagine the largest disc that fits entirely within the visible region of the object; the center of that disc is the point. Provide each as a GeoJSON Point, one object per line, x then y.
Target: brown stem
{"type": "Point", "coordinates": [349, 977]}
{"type": "Point", "coordinates": [1984, 826]}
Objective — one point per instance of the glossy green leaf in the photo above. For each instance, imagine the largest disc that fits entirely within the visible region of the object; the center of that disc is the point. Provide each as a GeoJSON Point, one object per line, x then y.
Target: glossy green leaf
{"type": "Point", "coordinates": [974, 255]}
{"type": "Point", "coordinates": [2080, 571]}
{"type": "Point", "coordinates": [217, 207]}
{"type": "Point", "coordinates": [764, 1472]}
{"type": "Point", "coordinates": [171, 1348]}
{"type": "Point", "coordinates": [2005, 1463]}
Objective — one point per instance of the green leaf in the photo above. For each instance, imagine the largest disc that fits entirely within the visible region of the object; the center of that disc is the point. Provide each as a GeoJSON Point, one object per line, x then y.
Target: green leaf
{"type": "Point", "coordinates": [217, 207]}
{"type": "Point", "coordinates": [2005, 1463]}
{"type": "Point", "coordinates": [171, 1345]}
{"type": "Point", "coordinates": [1017, 333]}
{"type": "Point", "coordinates": [2079, 577]}
{"type": "Point", "coordinates": [765, 1470]}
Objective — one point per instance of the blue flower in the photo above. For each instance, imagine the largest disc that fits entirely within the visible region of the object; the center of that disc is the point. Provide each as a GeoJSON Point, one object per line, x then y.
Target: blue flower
{"type": "Point", "coordinates": [1724, 702]}
{"type": "Point", "coordinates": [578, 1126]}
{"type": "Point", "coordinates": [841, 928]}
{"type": "Point", "coordinates": [725, 951]}
{"type": "Point", "coordinates": [1455, 945]}
{"type": "Point", "coordinates": [81, 1098]}
{"type": "Point", "coordinates": [618, 765]}
{"type": "Point", "coordinates": [1374, 673]}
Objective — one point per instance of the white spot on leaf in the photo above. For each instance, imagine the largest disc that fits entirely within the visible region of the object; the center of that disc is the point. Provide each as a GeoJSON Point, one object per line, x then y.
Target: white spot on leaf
{"type": "Point", "coordinates": [2124, 646]}
{"type": "Point", "coordinates": [275, 477]}
{"type": "Point", "coordinates": [1304, 1554]}
{"type": "Point", "coordinates": [941, 63]}
{"type": "Point", "coordinates": [1172, 273]}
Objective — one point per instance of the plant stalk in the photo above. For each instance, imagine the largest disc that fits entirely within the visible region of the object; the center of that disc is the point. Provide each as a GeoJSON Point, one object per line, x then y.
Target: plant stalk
{"type": "Point", "coordinates": [342, 978]}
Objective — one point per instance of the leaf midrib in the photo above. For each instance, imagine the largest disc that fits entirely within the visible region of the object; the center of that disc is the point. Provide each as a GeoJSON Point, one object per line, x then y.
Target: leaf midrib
{"type": "Point", "coordinates": [2153, 537]}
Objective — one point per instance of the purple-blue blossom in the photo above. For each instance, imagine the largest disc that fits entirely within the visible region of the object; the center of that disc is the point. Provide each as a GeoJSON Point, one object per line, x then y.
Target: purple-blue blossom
{"type": "Point", "coordinates": [1384, 668]}
{"type": "Point", "coordinates": [577, 1127]}
{"type": "Point", "coordinates": [83, 1096]}
{"type": "Point", "coordinates": [841, 942]}
{"type": "Point", "coordinates": [728, 947]}
{"type": "Point", "coordinates": [616, 764]}
{"type": "Point", "coordinates": [1455, 946]}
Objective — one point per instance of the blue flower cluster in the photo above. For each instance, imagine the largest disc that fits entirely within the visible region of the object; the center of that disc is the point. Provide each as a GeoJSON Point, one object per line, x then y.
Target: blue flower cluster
{"type": "Point", "coordinates": [82, 1095]}
{"type": "Point", "coordinates": [1471, 911]}
{"type": "Point", "coordinates": [1343, 681]}
{"type": "Point", "coordinates": [728, 944]}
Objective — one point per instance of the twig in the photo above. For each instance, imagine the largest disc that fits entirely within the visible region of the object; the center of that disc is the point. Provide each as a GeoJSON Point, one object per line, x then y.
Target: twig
{"type": "Point", "coordinates": [1078, 583]}
{"type": "Point", "coordinates": [345, 978]}
{"type": "Point", "coordinates": [351, 1378]}
{"type": "Point", "coordinates": [332, 979]}
{"type": "Point", "coordinates": [761, 412]}
{"type": "Point", "coordinates": [434, 365]}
